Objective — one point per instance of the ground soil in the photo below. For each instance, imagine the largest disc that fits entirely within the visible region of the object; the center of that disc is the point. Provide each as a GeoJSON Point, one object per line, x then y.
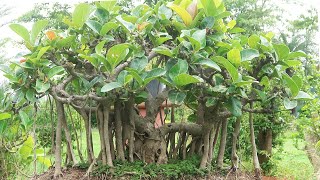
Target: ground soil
{"type": "Point", "coordinates": [79, 174]}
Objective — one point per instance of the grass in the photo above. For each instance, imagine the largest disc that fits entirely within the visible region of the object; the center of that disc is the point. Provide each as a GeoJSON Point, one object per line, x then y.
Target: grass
{"type": "Point", "coordinates": [292, 162]}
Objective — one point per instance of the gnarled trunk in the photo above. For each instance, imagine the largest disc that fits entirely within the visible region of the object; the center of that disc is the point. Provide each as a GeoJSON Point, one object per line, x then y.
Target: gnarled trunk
{"type": "Point", "coordinates": [61, 116]}
{"type": "Point", "coordinates": [235, 134]}
{"type": "Point", "coordinates": [255, 159]}
{"type": "Point", "coordinates": [223, 139]}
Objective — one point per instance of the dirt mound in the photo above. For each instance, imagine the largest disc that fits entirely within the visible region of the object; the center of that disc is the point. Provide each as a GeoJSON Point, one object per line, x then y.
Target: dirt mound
{"type": "Point", "coordinates": [79, 174]}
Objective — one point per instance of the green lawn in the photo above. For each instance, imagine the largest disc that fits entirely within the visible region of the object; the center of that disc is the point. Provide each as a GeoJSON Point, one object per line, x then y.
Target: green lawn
{"type": "Point", "coordinates": [292, 162]}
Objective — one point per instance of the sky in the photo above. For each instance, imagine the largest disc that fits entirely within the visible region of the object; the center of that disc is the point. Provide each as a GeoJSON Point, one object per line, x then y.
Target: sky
{"type": "Point", "coordinates": [293, 8]}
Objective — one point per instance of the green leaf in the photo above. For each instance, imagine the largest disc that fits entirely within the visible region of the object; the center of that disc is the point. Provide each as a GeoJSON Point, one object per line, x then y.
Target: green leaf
{"type": "Point", "coordinates": [210, 7]}
{"type": "Point", "coordinates": [231, 24]}
{"type": "Point", "coordinates": [236, 30]}
{"type": "Point", "coordinates": [289, 104]}
{"type": "Point", "coordinates": [209, 63]}
{"type": "Point", "coordinates": [24, 118]}
{"type": "Point", "coordinates": [21, 31]}
{"type": "Point", "coordinates": [110, 86]}
{"type": "Point", "coordinates": [164, 12]}
{"type": "Point", "coordinates": [45, 161]}
{"type": "Point", "coordinates": [37, 28]}
{"type": "Point", "coordinates": [163, 50]}
{"type": "Point", "coordinates": [185, 79]}
{"type": "Point", "coordinates": [102, 14]}
{"type": "Point", "coordinates": [135, 75]}
{"type": "Point", "coordinates": [108, 4]}
{"type": "Point", "coordinates": [282, 51]}
{"type": "Point", "coordinates": [41, 87]}
{"type": "Point", "coordinates": [139, 63]}
{"type": "Point", "coordinates": [4, 116]}
{"type": "Point", "coordinates": [292, 63]}
{"type": "Point", "coordinates": [81, 14]}
{"type": "Point", "coordinates": [207, 22]}
{"type": "Point", "coordinates": [249, 54]}
{"type": "Point", "coordinates": [42, 51]}
{"type": "Point", "coordinates": [54, 71]}
{"type": "Point", "coordinates": [100, 46]}
{"type": "Point", "coordinates": [234, 57]}
{"type": "Point", "coordinates": [291, 84]}
{"type": "Point", "coordinates": [154, 73]}
{"type": "Point", "coordinates": [128, 25]}
{"type": "Point", "coordinates": [26, 148]}
{"type": "Point", "coordinates": [297, 54]}
{"type": "Point", "coordinates": [297, 80]}
{"type": "Point", "coordinates": [94, 25]}
{"type": "Point", "coordinates": [176, 97]}
{"type": "Point", "coordinates": [253, 41]}
{"type": "Point", "coordinates": [200, 36]}
{"type": "Point", "coordinates": [180, 67]}
{"type": "Point", "coordinates": [230, 68]}
{"type": "Point", "coordinates": [219, 88]}
{"type": "Point", "coordinates": [107, 27]}
{"type": "Point", "coordinates": [303, 96]}
{"type": "Point", "coordinates": [30, 95]}
{"type": "Point", "coordinates": [234, 106]}
{"type": "Point", "coordinates": [117, 53]}
{"type": "Point", "coordinates": [185, 16]}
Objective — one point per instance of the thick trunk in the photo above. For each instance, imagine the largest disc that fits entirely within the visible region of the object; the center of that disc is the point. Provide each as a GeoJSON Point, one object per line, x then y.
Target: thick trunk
{"type": "Point", "coordinates": [106, 113]}
{"type": "Point", "coordinates": [101, 135]}
{"type": "Point", "coordinates": [234, 156]}
{"type": "Point", "coordinates": [223, 139]}
{"type": "Point", "coordinates": [85, 116]}
{"type": "Point", "coordinates": [172, 136]}
{"type": "Point", "coordinates": [213, 138]}
{"type": "Point", "coordinates": [265, 145]}
{"type": "Point", "coordinates": [206, 141]}
{"type": "Point", "coordinates": [71, 154]}
{"type": "Point", "coordinates": [256, 163]}
{"type": "Point", "coordinates": [76, 134]}
{"type": "Point", "coordinates": [57, 171]}
{"type": "Point", "coordinates": [118, 129]}
{"type": "Point", "coordinates": [130, 105]}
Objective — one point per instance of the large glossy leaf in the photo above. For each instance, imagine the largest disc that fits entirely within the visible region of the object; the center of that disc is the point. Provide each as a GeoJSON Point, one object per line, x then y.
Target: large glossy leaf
{"type": "Point", "coordinates": [100, 46]}
{"type": "Point", "coordinates": [297, 80]}
{"type": "Point", "coordinates": [303, 96]}
{"type": "Point", "coordinates": [21, 31]}
{"type": "Point", "coordinates": [30, 95]}
{"type": "Point", "coordinates": [289, 104]}
{"type": "Point", "coordinates": [41, 86]}
{"type": "Point", "coordinates": [110, 86]}
{"type": "Point", "coordinates": [234, 106]}
{"type": "Point", "coordinates": [249, 54]}
{"type": "Point", "coordinates": [139, 63]}
{"type": "Point", "coordinates": [180, 67]}
{"type": "Point", "coordinates": [117, 53]}
{"type": "Point", "coordinates": [54, 71]}
{"type": "Point", "coordinates": [42, 51]}
{"type": "Point", "coordinates": [94, 25]}
{"type": "Point", "coordinates": [164, 12]}
{"type": "Point", "coordinates": [210, 63]}
{"type": "Point", "coordinates": [291, 84]}
{"type": "Point", "coordinates": [210, 7]}
{"type": "Point", "coordinates": [185, 16]}
{"type": "Point", "coordinates": [234, 57]}
{"type": "Point", "coordinates": [81, 14]}
{"type": "Point", "coordinates": [296, 54]}
{"type": "Point", "coordinates": [253, 41]}
{"type": "Point", "coordinates": [26, 148]}
{"type": "Point", "coordinates": [207, 22]}
{"type": "Point", "coordinates": [163, 50]}
{"type": "Point", "coordinates": [153, 74]}
{"type": "Point", "coordinates": [282, 51]}
{"type": "Point", "coordinates": [230, 68]}
{"type": "Point", "coordinates": [25, 120]}
{"type": "Point", "coordinates": [176, 97]}
{"type": "Point", "coordinates": [4, 116]}
{"type": "Point", "coordinates": [127, 25]}
{"type": "Point", "coordinates": [37, 28]}
{"type": "Point", "coordinates": [184, 79]}
{"type": "Point", "coordinates": [108, 4]}
{"type": "Point", "coordinates": [107, 27]}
